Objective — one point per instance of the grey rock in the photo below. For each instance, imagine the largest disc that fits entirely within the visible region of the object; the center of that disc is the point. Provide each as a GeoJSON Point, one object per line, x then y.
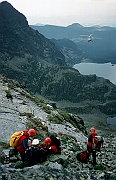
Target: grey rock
{"type": "Point", "coordinates": [55, 165]}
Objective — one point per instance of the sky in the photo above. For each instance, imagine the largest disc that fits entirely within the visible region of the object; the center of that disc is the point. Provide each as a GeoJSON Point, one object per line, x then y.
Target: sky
{"type": "Point", "coordinates": [67, 12]}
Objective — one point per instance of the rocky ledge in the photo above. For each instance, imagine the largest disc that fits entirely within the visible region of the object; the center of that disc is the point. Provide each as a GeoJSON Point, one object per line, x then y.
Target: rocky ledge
{"type": "Point", "coordinates": [64, 166]}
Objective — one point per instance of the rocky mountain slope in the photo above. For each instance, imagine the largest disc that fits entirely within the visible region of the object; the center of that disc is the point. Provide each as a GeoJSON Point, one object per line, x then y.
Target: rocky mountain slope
{"type": "Point", "coordinates": [34, 61]}
{"type": "Point", "coordinates": [20, 110]}
{"type": "Point", "coordinates": [73, 54]}
{"type": "Point", "coordinates": [18, 39]}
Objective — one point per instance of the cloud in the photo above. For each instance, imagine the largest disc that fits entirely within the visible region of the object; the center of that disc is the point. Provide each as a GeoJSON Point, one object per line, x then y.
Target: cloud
{"type": "Point", "coordinates": [67, 11]}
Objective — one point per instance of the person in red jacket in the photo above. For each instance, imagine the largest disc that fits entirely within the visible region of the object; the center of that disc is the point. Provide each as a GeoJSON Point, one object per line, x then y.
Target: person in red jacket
{"type": "Point", "coordinates": [50, 147]}
{"type": "Point", "coordinates": [22, 144]}
{"type": "Point", "coordinates": [90, 148]}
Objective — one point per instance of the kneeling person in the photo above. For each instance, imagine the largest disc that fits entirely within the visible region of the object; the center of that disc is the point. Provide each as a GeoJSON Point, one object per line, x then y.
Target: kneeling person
{"type": "Point", "coordinates": [35, 154]}
{"type": "Point", "coordinates": [51, 145]}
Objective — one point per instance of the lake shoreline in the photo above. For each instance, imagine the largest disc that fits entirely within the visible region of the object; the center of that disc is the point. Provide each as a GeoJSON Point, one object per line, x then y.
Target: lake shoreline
{"type": "Point", "coordinates": [105, 70]}
{"type": "Point", "coordinates": [111, 120]}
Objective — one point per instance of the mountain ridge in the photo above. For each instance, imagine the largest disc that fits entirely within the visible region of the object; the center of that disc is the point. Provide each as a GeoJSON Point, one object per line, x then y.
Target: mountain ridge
{"type": "Point", "coordinates": [18, 37]}
{"type": "Point", "coordinates": [101, 50]}
{"type": "Point", "coordinates": [33, 60]}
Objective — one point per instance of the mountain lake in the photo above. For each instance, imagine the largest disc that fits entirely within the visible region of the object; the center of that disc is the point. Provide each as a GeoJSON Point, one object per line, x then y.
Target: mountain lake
{"type": "Point", "coordinates": [106, 70]}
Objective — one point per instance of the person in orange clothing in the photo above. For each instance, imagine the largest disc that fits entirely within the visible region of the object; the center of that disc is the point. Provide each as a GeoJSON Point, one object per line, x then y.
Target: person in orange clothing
{"type": "Point", "coordinates": [90, 147]}
{"type": "Point", "coordinates": [51, 145]}
{"type": "Point", "coordinates": [22, 144]}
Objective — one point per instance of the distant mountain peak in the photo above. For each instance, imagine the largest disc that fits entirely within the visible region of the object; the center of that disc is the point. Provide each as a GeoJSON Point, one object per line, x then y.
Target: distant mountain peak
{"type": "Point", "coordinates": [75, 25]}
{"type": "Point", "coordinates": [17, 37]}
{"type": "Point", "coordinates": [5, 2]}
{"type": "Point", "coordinates": [39, 24]}
{"type": "Point", "coordinates": [8, 14]}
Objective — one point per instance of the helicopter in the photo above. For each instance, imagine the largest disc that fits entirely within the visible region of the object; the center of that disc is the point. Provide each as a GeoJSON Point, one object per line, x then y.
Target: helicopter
{"type": "Point", "coordinates": [90, 38]}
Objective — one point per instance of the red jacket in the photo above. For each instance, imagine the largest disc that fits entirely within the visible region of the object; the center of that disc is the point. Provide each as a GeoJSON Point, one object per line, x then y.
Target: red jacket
{"type": "Point", "coordinates": [20, 147]}
{"type": "Point", "coordinates": [90, 140]}
{"type": "Point", "coordinates": [53, 149]}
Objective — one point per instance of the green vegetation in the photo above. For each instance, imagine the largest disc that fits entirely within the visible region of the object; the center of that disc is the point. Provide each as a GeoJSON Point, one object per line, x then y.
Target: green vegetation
{"type": "Point", "coordinates": [38, 101]}
{"type": "Point", "coordinates": [60, 117]}
{"type": "Point", "coordinates": [4, 145]}
{"type": "Point", "coordinates": [8, 94]}
{"type": "Point", "coordinates": [41, 129]}
{"type": "Point", "coordinates": [65, 138]}
{"type": "Point", "coordinates": [108, 108]}
{"type": "Point", "coordinates": [76, 121]}
{"type": "Point", "coordinates": [56, 118]}
{"type": "Point", "coordinates": [99, 167]}
{"type": "Point", "coordinates": [64, 115]}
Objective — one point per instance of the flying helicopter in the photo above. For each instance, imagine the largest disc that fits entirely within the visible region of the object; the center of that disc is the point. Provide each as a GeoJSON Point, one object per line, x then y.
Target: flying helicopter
{"type": "Point", "coordinates": [90, 38]}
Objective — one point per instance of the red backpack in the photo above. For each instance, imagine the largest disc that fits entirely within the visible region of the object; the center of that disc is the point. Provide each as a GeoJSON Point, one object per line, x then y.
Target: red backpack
{"type": "Point", "coordinates": [82, 156]}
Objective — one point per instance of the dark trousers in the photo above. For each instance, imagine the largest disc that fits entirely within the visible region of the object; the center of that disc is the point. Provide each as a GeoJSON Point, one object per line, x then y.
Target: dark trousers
{"type": "Point", "coordinates": [94, 157]}
{"type": "Point", "coordinates": [93, 153]}
{"type": "Point", "coordinates": [23, 156]}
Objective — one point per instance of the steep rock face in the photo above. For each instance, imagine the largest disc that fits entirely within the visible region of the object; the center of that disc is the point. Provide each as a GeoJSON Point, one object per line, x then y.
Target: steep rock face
{"type": "Point", "coordinates": [73, 54]}
{"type": "Point", "coordinates": [19, 110]}
{"type": "Point", "coordinates": [11, 16]}
{"type": "Point", "coordinates": [17, 37]}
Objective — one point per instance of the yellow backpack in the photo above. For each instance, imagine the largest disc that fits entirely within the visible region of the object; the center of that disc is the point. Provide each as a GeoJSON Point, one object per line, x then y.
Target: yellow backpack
{"type": "Point", "coordinates": [15, 138]}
